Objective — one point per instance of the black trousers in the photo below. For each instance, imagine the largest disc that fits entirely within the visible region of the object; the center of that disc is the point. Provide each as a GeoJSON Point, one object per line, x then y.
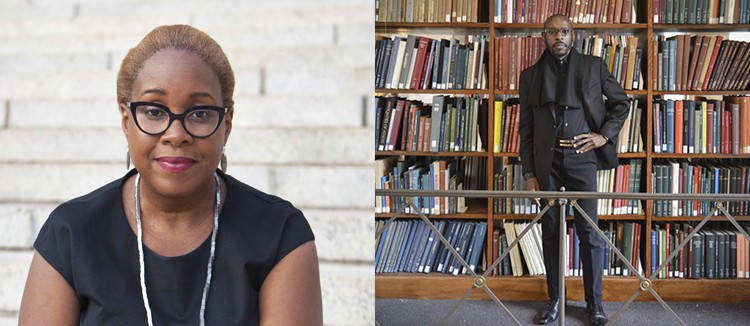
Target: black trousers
{"type": "Point", "coordinates": [576, 172]}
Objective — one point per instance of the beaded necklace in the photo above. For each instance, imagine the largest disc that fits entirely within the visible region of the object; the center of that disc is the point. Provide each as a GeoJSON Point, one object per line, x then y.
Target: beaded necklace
{"type": "Point", "coordinates": [142, 261]}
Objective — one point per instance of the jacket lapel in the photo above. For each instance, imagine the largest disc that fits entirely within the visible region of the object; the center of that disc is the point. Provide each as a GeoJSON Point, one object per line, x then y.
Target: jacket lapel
{"type": "Point", "coordinates": [572, 92]}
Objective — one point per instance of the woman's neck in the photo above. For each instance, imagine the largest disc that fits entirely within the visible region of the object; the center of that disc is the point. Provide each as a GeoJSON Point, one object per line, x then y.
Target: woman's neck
{"type": "Point", "coordinates": [173, 225]}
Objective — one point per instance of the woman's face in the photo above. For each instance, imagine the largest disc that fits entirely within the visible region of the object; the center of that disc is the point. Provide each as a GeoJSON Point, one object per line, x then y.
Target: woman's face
{"type": "Point", "coordinates": [175, 163]}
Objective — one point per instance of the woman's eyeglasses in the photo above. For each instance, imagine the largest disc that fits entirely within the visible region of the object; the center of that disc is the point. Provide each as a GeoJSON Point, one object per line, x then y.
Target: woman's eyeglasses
{"type": "Point", "coordinates": [155, 119]}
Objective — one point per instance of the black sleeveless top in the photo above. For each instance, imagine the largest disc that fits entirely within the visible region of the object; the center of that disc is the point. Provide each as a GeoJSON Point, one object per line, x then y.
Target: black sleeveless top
{"type": "Point", "coordinates": [89, 242]}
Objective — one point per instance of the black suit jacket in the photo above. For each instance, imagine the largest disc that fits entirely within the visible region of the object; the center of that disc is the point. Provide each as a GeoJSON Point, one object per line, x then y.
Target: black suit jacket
{"type": "Point", "coordinates": [588, 80]}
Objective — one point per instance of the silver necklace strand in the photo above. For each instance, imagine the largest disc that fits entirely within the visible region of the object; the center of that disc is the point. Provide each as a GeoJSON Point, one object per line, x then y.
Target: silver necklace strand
{"type": "Point", "coordinates": [142, 263]}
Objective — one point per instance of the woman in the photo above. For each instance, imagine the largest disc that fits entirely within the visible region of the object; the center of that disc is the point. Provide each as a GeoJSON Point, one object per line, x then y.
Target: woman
{"type": "Point", "coordinates": [174, 242]}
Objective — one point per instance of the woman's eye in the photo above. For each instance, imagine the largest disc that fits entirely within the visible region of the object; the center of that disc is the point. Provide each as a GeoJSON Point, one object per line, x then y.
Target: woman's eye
{"type": "Point", "coordinates": [154, 112]}
{"type": "Point", "coordinates": [200, 115]}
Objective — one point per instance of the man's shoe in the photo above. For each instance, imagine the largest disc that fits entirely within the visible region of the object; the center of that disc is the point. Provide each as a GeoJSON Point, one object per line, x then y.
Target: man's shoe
{"type": "Point", "coordinates": [596, 315]}
{"type": "Point", "coordinates": [548, 314]}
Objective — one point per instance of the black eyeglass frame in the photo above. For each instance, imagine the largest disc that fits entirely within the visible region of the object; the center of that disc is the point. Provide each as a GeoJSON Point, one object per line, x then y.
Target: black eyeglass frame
{"type": "Point", "coordinates": [562, 31]}
{"type": "Point", "coordinates": [180, 117]}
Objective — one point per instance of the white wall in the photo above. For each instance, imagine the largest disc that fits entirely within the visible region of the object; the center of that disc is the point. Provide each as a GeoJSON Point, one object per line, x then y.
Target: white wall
{"type": "Point", "coordinates": [302, 125]}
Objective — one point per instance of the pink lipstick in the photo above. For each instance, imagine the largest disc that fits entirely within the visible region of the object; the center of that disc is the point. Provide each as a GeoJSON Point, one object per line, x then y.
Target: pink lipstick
{"type": "Point", "coordinates": [175, 164]}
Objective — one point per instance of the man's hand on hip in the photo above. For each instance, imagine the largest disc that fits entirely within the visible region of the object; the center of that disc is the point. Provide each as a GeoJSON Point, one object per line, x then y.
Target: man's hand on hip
{"type": "Point", "coordinates": [587, 142]}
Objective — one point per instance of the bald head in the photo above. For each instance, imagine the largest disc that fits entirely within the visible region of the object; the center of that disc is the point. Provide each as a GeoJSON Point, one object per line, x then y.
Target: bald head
{"type": "Point", "coordinates": [558, 17]}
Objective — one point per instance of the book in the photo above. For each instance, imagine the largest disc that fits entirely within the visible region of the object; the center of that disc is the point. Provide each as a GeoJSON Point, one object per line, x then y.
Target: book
{"type": "Point", "coordinates": [388, 109]}
{"type": "Point", "coordinates": [419, 74]}
{"type": "Point", "coordinates": [498, 126]}
{"type": "Point", "coordinates": [516, 263]}
{"type": "Point", "coordinates": [704, 43]}
{"type": "Point", "coordinates": [711, 251]}
{"type": "Point", "coordinates": [507, 270]}
{"type": "Point", "coordinates": [680, 62]}
{"type": "Point", "coordinates": [741, 105]}
{"type": "Point", "coordinates": [670, 126]}
{"type": "Point", "coordinates": [438, 109]}
{"type": "Point", "coordinates": [679, 116]}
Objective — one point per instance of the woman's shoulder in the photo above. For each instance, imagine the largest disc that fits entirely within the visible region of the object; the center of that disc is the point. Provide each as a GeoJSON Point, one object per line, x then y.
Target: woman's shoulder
{"type": "Point", "coordinates": [251, 196]}
{"type": "Point", "coordinates": [100, 201]}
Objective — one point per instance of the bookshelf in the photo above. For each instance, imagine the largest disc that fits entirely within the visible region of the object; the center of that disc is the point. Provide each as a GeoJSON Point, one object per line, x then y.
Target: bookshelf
{"type": "Point", "coordinates": [648, 27]}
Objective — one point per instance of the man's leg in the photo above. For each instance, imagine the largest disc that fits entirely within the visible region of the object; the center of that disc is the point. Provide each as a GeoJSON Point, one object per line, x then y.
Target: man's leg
{"type": "Point", "coordinates": [591, 248]}
{"type": "Point", "coordinates": [551, 229]}
{"type": "Point", "coordinates": [582, 177]}
{"type": "Point", "coordinates": [550, 243]}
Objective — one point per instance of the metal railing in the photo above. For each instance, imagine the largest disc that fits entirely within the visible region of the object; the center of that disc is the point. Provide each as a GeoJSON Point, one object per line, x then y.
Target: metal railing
{"type": "Point", "coordinates": [563, 197]}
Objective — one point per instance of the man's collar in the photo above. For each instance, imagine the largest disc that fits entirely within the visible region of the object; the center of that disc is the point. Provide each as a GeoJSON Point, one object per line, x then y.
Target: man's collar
{"type": "Point", "coordinates": [564, 59]}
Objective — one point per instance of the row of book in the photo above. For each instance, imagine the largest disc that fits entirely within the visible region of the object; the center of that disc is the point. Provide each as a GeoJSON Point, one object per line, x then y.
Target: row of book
{"type": "Point", "coordinates": [461, 173]}
{"type": "Point", "coordinates": [626, 178]}
{"type": "Point", "coordinates": [701, 11]}
{"type": "Point", "coordinates": [630, 139]}
{"type": "Point", "coordinates": [668, 177]}
{"type": "Point", "coordinates": [412, 246]}
{"type": "Point", "coordinates": [584, 12]}
{"type": "Point", "coordinates": [710, 177]}
{"type": "Point", "coordinates": [702, 125]}
{"type": "Point", "coordinates": [458, 124]}
{"type": "Point", "coordinates": [506, 121]}
{"type": "Point", "coordinates": [713, 253]}
{"type": "Point", "coordinates": [449, 124]}
{"type": "Point", "coordinates": [702, 62]}
{"type": "Point", "coordinates": [528, 257]}
{"type": "Point", "coordinates": [620, 53]}
{"type": "Point", "coordinates": [513, 55]}
{"type": "Point", "coordinates": [505, 126]}
{"type": "Point", "coordinates": [420, 62]}
{"type": "Point", "coordinates": [508, 178]}
{"type": "Point", "coordinates": [431, 11]}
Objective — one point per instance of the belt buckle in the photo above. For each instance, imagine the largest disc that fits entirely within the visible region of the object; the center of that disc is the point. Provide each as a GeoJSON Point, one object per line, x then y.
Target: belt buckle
{"type": "Point", "coordinates": [566, 143]}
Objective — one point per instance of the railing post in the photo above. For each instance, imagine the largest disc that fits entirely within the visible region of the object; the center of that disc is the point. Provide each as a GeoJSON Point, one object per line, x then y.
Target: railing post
{"type": "Point", "coordinates": [561, 264]}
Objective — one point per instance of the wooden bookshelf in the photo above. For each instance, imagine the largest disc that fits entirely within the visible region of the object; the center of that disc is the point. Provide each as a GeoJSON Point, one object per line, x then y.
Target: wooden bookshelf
{"type": "Point", "coordinates": [615, 288]}
{"type": "Point", "coordinates": [533, 288]}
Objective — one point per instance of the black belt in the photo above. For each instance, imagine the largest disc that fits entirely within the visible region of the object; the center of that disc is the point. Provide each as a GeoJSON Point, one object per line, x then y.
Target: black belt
{"type": "Point", "coordinates": [566, 143]}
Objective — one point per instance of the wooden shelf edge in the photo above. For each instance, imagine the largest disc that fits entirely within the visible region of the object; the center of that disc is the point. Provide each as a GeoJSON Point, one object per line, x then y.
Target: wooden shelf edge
{"type": "Point", "coordinates": [697, 156]}
{"type": "Point", "coordinates": [701, 27]}
{"type": "Point", "coordinates": [409, 153]}
{"type": "Point", "coordinates": [628, 217]}
{"type": "Point", "coordinates": [432, 91]}
{"type": "Point", "coordinates": [700, 93]}
{"type": "Point", "coordinates": [465, 216]}
{"type": "Point", "coordinates": [534, 288]}
{"type": "Point", "coordinates": [657, 219]}
{"type": "Point", "coordinates": [406, 25]}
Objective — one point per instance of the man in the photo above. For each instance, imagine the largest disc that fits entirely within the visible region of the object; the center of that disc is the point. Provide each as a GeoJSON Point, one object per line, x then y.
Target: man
{"type": "Point", "coordinates": [568, 132]}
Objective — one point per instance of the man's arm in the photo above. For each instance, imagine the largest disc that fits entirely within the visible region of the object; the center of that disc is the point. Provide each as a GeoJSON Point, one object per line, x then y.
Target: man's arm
{"type": "Point", "coordinates": [526, 125]}
{"type": "Point", "coordinates": [616, 106]}
{"type": "Point", "coordinates": [526, 133]}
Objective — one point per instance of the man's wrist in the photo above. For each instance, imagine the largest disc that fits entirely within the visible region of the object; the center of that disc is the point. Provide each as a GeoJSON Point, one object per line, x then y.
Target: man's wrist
{"type": "Point", "coordinates": [528, 175]}
{"type": "Point", "coordinates": [606, 139]}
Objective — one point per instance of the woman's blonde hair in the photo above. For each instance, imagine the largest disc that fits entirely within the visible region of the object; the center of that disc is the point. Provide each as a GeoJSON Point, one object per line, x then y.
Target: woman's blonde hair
{"type": "Point", "coordinates": [181, 37]}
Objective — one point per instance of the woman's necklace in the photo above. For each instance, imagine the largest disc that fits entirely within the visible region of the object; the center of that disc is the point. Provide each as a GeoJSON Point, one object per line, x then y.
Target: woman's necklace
{"type": "Point", "coordinates": [143, 264]}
